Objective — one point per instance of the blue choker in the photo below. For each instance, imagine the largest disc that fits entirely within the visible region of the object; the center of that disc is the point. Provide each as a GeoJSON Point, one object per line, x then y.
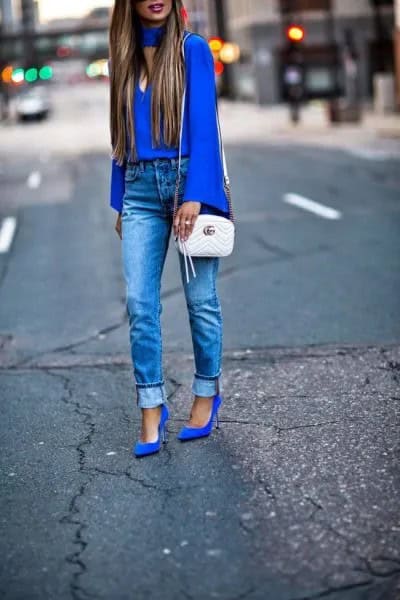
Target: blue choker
{"type": "Point", "coordinates": [151, 36]}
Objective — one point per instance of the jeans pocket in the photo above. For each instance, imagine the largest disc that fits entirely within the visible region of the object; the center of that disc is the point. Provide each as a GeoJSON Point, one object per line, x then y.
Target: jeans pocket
{"type": "Point", "coordinates": [131, 173]}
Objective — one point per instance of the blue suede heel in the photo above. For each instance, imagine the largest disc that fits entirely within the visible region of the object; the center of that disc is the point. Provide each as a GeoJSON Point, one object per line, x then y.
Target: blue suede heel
{"type": "Point", "coordinates": [145, 448]}
{"type": "Point", "coordinates": [191, 433]}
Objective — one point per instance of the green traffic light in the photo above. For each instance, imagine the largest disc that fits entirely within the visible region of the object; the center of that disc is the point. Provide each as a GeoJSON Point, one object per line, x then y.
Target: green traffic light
{"type": "Point", "coordinates": [31, 74]}
{"type": "Point", "coordinates": [93, 70]}
{"type": "Point", "coordinates": [17, 75]}
{"type": "Point", "coordinates": [46, 72]}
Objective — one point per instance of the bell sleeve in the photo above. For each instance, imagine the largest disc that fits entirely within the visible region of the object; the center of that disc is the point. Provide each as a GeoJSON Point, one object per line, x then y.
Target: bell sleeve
{"type": "Point", "coordinates": [117, 178]}
{"type": "Point", "coordinates": [204, 180]}
{"type": "Point", "coordinates": [117, 184]}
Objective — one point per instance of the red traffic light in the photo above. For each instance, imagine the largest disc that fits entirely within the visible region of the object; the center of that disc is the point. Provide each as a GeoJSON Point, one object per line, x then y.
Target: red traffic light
{"type": "Point", "coordinates": [218, 67]}
{"type": "Point", "coordinates": [295, 33]}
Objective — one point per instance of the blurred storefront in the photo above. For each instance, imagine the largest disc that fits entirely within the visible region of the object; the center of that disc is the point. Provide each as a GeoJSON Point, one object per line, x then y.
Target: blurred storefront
{"type": "Point", "coordinates": [397, 51]}
{"type": "Point", "coordinates": [10, 15]}
{"type": "Point", "coordinates": [343, 41]}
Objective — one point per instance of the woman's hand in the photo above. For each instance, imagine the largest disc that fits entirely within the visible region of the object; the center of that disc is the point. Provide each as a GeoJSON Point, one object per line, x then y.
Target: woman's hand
{"type": "Point", "coordinates": [118, 228]}
{"type": "Point", "coordinates": [185, 219]}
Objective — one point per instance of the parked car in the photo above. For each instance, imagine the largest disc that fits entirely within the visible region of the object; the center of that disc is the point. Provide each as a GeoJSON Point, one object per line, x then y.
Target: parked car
{"type": "Point", "coordinates": [33, 103]}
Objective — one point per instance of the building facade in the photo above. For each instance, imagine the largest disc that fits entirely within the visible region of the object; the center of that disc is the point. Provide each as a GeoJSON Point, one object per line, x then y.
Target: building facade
{"type": "Point", "coordinates": [397, 51]}
{"type": "Point", "coordinates": [14, 15]}
{"type": "Point", "coordinates": [9, 15]}
{"type": "Point", "coordinates": [334, 30]}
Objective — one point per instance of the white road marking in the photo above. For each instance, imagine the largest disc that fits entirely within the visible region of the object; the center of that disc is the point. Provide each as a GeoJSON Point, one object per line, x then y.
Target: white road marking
{"type": "Point", "coordinates": [315, 207]}
{"type": "Point", "coordinates": [34, 179]}
{"type": "Point", "coordinates": [7, 231]}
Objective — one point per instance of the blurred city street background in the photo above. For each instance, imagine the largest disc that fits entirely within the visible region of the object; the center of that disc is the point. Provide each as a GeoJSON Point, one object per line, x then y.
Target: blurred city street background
{"type": "Point", "coordinates": [296, 496]}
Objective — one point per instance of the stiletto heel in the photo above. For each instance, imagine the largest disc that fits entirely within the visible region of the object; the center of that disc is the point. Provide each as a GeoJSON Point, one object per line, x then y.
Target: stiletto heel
{"type": "Point", "coordinates": [191, 433]}
{"type": "Point", "coordinates": [145, 448]}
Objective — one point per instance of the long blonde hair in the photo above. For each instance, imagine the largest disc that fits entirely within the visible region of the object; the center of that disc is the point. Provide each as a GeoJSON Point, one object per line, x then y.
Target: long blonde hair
{"type": "Point", "coordinates": [167, 77]}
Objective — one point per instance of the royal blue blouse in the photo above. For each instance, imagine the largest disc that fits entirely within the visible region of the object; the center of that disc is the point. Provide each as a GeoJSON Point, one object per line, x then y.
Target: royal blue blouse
{"type": "Point", "coordinates": [204, 180]}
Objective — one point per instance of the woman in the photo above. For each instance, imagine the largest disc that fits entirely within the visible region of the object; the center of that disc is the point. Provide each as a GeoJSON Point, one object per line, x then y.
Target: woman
{"type": "Point", "coordinates": [147, 76]}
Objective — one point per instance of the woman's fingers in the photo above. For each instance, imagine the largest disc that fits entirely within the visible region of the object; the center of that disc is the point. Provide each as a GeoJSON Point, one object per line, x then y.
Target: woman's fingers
{"type": "Point", "coordinates": [188, 224]}
{"type": "Point", "coordinates": [184, 223]}
{"type": "Point", "coordinates": [185, 219]}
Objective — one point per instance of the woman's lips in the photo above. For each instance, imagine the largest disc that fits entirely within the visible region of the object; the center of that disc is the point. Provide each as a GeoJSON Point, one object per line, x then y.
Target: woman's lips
{"type": "Point", "coordinates": [156, 7]}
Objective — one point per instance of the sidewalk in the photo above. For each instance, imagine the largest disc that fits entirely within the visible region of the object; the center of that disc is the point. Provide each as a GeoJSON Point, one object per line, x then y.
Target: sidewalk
{"type": "Point", "coordinates": [247, 122]}
{"type": "Point", "coordinates": [78, 124]}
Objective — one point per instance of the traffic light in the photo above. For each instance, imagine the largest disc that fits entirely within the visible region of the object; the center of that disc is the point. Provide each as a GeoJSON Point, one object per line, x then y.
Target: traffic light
{"type": "Point", "coordinates": [31, 74]}
{"type": "Point", "coordinates": [21, 75]}
{"type": "Point", "coordinates": [293, 69]}
{"type": "Point", "coordinates": [6, 74]}
{"type": "Point", "coordinates": [295, 34]}
{"type": "Point", "coordinates": [224, 53]}
{"type": "Point", "coordinates": [215, 44]}
{"type": "Point", "coordinates": [219, 67]}
{"type": "Point", "coordinates": [293, 53]}
{"type": "Point", "coordinates": [229, 53]}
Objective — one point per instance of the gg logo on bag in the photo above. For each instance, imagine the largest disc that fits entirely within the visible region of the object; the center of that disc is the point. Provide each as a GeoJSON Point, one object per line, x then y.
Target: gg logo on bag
{"type": "Point", "coordinates": [209, 230]}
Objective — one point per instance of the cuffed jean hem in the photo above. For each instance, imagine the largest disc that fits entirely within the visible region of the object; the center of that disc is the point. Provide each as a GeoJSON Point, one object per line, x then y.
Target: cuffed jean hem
{"type": "Point", "coordinates": [150, 396]}
{"type": "Point", "coordinates": [205, 386]}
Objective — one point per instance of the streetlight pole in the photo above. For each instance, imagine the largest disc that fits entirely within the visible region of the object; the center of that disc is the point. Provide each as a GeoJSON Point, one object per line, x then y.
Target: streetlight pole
{"type": "Point", "coordinates": [222, 31]}
{"type": "Point", "coordinates": [7, 14]}
{"type": "Point", "coordinates": [28, 28]}
{"type": "Point", "coordinates": [397, 50]}
{"type": "Point", "coordinates": [335, 54]}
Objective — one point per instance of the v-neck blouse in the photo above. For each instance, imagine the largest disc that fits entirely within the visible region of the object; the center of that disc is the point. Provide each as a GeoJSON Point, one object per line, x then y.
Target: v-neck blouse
{"type": "Point", "coordinates": [204, 180]}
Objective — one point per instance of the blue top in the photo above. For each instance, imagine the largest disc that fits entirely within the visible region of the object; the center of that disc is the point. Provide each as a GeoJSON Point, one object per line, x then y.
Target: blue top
{"type": "Point", "coordinates": [204, 181]}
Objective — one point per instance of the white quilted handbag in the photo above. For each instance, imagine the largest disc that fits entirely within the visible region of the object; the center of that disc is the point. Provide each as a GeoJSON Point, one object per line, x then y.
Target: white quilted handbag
{"type": "Point", "coordinates": [212, 235]}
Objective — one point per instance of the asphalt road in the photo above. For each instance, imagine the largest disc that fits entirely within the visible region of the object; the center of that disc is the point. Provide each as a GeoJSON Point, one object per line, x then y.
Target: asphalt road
{"type": "Point", "coordinates": [296, 496]}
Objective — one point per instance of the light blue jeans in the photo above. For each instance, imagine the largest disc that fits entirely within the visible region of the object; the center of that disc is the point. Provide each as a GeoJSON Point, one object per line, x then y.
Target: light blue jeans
{"type": "Point", "coordinates": [146, 223]}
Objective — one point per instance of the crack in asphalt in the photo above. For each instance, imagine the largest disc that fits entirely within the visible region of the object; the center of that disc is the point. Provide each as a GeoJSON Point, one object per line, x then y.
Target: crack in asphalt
{"type": "Point", "coordinates": [369, 571]}
{"type": "Point", "coordinates": [280, 429]}
{"type": "Point", "coordinates": [244, 594]}
{"type": "Point", "coordinates": [279, 354]}
{"type": "Point", "coordinates": [272, 354]}
{"type": "Point", "coordinates": [73, 516]}
{"type": "Point", "coordinates": [164, 296]}
{"type": "Point", "coordinates": [333, 590]}
{"type": "Point", "coordinates": [373, 568]}
{"type": "Point", "coordinates": [280, 254]}
{"type": "Point", "coordinates": [71, 346]}
{"type": "Point", "coordinates": [145, 484]}
{"type": "Point", "coordinates": [316, 505]}
{"type": "Point", "coordinates": [267, 488]}
{"type": "Point", "coordinates": [393, 367]}
{"type": "Point", "coordinates": [76, 559]}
